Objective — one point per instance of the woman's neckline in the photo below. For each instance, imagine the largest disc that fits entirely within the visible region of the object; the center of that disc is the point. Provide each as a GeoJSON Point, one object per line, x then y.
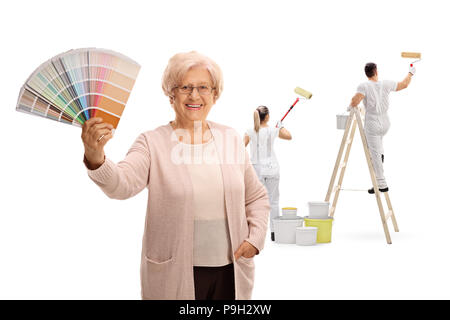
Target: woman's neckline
{"type": "Point", "coordinates": [191, 144]}
{"type": "Point", "coordinates": [197, 144]}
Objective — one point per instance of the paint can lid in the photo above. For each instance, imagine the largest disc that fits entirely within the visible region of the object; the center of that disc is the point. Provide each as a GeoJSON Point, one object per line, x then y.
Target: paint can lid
{"type": "Point", "coordinates": [288, 218]}
{"type": "Point", "coordinates": [304, 229]}
{"type": "Point", "coordinates": [322, 219]}
{"type": "Point", "coordinates": [319, 202]}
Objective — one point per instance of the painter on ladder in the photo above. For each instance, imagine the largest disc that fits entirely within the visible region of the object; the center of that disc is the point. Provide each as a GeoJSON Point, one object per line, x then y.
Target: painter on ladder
{"type": "Point", "coordinates": [375, 96]}
{"type": "Point", "coordinates": [207, 211]}
{"type": "Point", "coordinates": [262, 154]}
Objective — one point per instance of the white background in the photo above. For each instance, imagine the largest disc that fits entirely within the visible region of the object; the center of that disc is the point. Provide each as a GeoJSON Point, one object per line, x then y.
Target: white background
{"type": "Point", "coordinates": [62, 238]}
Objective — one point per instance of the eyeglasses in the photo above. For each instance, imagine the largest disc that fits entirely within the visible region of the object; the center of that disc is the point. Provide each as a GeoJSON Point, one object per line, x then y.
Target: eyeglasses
{"type": "Point", "coordinates": [202, 90]}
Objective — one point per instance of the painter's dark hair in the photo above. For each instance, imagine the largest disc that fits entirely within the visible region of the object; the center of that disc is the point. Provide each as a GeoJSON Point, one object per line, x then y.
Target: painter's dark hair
{"type": "Point", "coordinates": [259, 115]}
{"type": "Point", "coordinates": [370, 69]}
{"type": "Point", "coordinates": [263, 112]}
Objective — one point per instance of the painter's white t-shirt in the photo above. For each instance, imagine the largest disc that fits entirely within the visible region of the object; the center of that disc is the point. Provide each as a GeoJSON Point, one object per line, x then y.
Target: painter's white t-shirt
{"type": "Point", "coordinates": [376, 95]}
{"type": "Point", "coordinates": [376, 102]}
{"type": "Point", "coordinates": [262, 152]}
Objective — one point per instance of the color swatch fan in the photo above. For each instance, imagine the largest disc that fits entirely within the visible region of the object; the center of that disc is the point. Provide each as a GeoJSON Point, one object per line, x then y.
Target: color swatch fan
{"type": "Point", "coordinates": [78, 85]}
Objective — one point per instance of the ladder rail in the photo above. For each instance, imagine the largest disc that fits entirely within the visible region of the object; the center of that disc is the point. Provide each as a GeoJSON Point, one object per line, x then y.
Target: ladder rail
{"type": "Point", "coordinates": [338, 159]}
{"type": "Point", "coordinates": [341, 175]}
{"type": "Point", "coordinates": [391, 210]}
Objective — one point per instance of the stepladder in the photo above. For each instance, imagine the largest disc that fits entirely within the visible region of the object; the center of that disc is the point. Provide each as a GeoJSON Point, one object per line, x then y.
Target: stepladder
{"type": "Point", "coordinates": [354, 120]}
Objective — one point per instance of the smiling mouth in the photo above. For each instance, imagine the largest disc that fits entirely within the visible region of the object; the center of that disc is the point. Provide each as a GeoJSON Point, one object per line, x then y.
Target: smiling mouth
{"type": "Point", "coordinates": [193, 106]}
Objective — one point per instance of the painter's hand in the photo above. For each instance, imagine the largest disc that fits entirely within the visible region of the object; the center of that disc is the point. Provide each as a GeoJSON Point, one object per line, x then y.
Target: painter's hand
{"type": "Point", "coordinates": [246, 250]}
{"type": "Point", "coordinates": [95, 134]}
{"type": "Point", "coordinates": [412, 69]}
{"type": "Point", "coordinates": [279, 124]}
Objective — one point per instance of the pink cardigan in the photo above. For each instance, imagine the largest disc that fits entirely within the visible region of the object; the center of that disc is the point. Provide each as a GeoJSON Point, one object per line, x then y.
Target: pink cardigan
{"type": "Point", "coordinates": [167, 246]}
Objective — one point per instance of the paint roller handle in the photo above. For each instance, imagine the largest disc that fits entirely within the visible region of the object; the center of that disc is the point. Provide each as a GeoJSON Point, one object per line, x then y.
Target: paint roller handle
{"type": "Point", "coordinates": [412, 69]}
{"type": "Point", "coordinates": [290, 109]}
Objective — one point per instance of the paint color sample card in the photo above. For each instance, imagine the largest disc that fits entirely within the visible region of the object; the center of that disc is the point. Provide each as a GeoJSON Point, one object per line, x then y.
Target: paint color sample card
{"type": "Point", "coordinates": [78, 85]}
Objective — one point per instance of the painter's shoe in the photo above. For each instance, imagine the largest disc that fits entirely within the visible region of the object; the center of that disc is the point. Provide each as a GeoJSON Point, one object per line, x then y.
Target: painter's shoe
{"type": "Point", "coordinates": [272, 236]}
{"type": "Point", "coordinates": [372, 191]}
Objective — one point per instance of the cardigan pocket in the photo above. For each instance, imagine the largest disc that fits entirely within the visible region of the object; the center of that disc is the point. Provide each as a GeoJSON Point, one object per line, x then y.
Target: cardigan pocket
{"type": "Point", "coordinates": [247, 261]}
{"type": "Point", "coordinates": [158, 262]}
{"type": "Point", "coordinates": [159, 280]}
{"type": "Point", "coordinates": [244, 270]}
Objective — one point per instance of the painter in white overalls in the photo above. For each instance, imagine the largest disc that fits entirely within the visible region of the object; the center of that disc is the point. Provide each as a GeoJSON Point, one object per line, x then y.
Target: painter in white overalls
{"type": "Point", "coordinates": [375, 96]}
{"type": "Point", "coordinates": [261, 138]}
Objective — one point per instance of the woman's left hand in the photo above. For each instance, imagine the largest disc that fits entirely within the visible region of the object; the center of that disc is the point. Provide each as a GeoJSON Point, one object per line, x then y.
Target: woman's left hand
{"type": "Point", "coordinates": [246, 250]}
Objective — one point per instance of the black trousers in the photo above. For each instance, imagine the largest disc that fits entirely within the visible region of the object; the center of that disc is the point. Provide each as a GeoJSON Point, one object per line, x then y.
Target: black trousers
{"type": "Point", "coordinates": [214, 283]}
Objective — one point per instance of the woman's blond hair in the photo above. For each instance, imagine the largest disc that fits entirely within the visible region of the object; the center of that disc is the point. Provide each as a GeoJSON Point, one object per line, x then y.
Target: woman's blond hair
{"type": "Point", "coordinates": [180, 64]}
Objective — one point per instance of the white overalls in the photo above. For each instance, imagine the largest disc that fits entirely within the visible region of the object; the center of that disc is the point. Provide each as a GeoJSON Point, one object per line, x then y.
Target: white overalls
{"type": "Point", "coordinates": [266, 165]}
{"type": "Point", "coordinates": [376, 125]}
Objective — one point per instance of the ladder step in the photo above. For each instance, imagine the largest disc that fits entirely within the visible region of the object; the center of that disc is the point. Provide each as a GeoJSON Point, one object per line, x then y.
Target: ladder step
{"type": "Point", "coordinates": [343, 165]}
{"type": "Point", "coordinates": [388, 215]}
{"type": "Point", "coordinates": [336, 188]}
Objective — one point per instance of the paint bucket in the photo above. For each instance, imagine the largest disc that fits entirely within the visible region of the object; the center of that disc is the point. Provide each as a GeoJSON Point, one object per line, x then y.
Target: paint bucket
{"type": "Point", "coordinates": [289, 212]}
{"type": "Point", "coordinates": [285, 229]}
{"type": "Point", "coordinates": [318, 209]}
{"type": "Point", "coordinates": [306, 236]}
{"type": "Point", "coordinates": [323, 228]}
{"type": "Point", "coordinates": [341, 120]}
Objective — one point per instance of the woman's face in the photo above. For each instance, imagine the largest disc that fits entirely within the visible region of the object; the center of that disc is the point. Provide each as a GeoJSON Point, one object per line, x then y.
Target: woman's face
{"type": "Point", "coordinates": [194, 106]}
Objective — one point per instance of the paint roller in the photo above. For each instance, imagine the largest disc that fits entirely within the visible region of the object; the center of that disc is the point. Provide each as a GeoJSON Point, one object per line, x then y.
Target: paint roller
{"type": "Point", "coordinates": [303, 93]}
{"type": "Point", "coordinates": [412, 55]}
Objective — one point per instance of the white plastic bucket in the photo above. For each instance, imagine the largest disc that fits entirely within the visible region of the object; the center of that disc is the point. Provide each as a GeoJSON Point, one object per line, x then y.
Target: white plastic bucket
{"type": "Point", "coordinates": [318, 209]}
{"type": "Point", "coordinates": [306, 236]}
{"type": "Point", "coordinates": [289, 212]}
{"type": "Point", "coordinates": [341, 120]}
{"type": "Point", "coordinates": [285, 229]}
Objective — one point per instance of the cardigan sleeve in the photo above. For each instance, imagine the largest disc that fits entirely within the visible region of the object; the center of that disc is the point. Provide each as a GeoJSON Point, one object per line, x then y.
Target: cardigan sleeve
{"type": "Point", "coordinates": [257, 206]}
{"type": "Point", "coordinates": [128, 177]}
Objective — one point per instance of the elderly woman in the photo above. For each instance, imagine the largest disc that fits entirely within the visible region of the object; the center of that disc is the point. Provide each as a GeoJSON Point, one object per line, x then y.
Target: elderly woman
{"type": "Point", "coordinates": [207, 211]}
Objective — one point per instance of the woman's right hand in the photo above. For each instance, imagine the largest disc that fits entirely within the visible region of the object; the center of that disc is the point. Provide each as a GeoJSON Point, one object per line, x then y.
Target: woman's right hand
{"type": "Point", "coordinates": [95, 134]}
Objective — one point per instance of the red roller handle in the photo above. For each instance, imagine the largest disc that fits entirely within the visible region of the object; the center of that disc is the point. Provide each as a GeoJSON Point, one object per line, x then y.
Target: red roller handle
{"type": "Point", "coordinates": [290, 109]}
